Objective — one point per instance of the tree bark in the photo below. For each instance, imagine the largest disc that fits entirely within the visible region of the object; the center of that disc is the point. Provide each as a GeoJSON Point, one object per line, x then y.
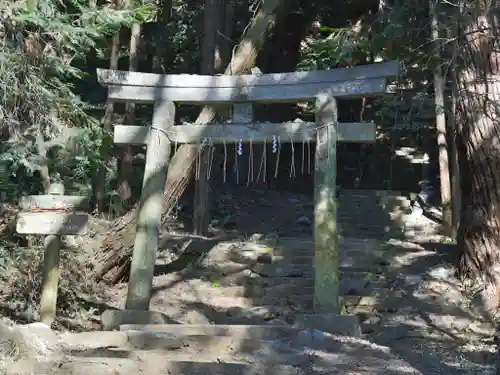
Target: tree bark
{"type": "Point", "coordinates": [444, 166]}
{"type": "Point", "coordinates": [161, 54]}
{"type": "Point", "coordinates": [210, 57]}
{"type": "Point", "coordinates": [100, 183]}
{"type": "Point", "coordinates": [478, 84]}
{"type": "Point", "coordinates": [282, 54]}
{"type": "Point", "coordinates": [226, 39]}
{"type": "Point", "coordinates": [124, 185]}
{"type": "Point", "coordinates": [119, 241]}
{"type": "Point", "coordinates": [453, 129]}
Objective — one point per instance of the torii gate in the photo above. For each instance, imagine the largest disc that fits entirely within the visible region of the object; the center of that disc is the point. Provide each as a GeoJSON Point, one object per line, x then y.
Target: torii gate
{"type": "Point", "coordinates": [165, 90]}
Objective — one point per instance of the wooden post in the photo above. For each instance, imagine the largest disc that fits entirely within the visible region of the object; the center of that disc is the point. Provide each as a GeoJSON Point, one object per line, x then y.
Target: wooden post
{"type": "Point", "coordinates": [150, 208]}
{"type": "Point", "coordinates": [209, 63]}
{"type": "Point", "coordinates": [241, 114]}
{"type": "Point", "coordinates": [57, 217]}
{"type": "Point", "coordinates": [50, 270]}
{"type": "Point", "coordinates": [202, 202]}
{"type": "Point", "coordinates": [326, 287]}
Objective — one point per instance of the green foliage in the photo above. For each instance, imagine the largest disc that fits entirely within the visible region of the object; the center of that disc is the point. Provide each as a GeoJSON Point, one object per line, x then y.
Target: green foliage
{"type": "Point", "coordinates": [41, 50]}
{"type": "Point", "coordinates": [178, 51]}
{"type": "Point", "coordinates": [400, 32]}
{"type": "Point", "coordinates": [336, 49]}
{"type": "Point", "coordinates": [37, 70]}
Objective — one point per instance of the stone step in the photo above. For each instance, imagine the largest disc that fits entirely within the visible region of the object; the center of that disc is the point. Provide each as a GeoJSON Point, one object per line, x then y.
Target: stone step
{"type": "Point", "coordinates": [371, 195]}
{"type": "Point", "coordinates": [379, 234]}
{"type": "Point", "coordinates": [370, 215]}
{"type": "Point", "coordinates": [243, 297]}
{"type": "Point", "coordinates": [205, 349]}
{"type": "Point", "coordinates": [385, 299]}
{"type": "Point", "coordinates": [246, 277]}
{"type": "Point", "coordinates": [295, 257]}
{"type": "Point", "coordinates": [221, 302]}
{"type": "Point", "coordinates": [260, 291]}
{"type": "Point", "coordinates": [334, 355]}
{"type": "Point", "coordinates": [373, 206]}
{"type": "Point", "coordinates": [377, 225]}
{"type": "Point", "coordinates": [156, 365]}
{"type": "Point", "coordinates": [347, 271]}
{"type": "Point", "coordinates": [356, 263]}
{"type": "Point", "coordinates": [259, 315]}
{"type": "Point", "coordinates": [258, 332]}
{"type": "Point", "coordinates": [262, 269]}
{"type": "Point", "coordinates": [347, 325]}
{"type": "Point", "coordinates": [362, 211]}
{"type": "Point", "coordinates": [301, 257]}
{"type": "Point", "coordinates": [209, 355]}
{"type": "Point", "coordinates": [284, 282]}
{"type": "Point", "coordinates": [262, 316]}
{"type": "Point", "coordinates": [380, 203]}
{"type": "Point", "coordinates": [300, 247]}
{"type": "Point", "coordinates": [352, 258]}
{"type": "Point", "coordinates": [351, 250]}
{"type": "Point", "coordinates": [223, 267]}
{"type": "Point", "coordinates": [282, 270]}
{"type": "Point", "coordinates": [387, 208]}
{"type": "Point", "coordinates": [299, 254]}
{"type": "Point", "coordinates": [370, 223]}
{"type": "Point", "coordinates": [360, 230]}
{"type": "Point", "coordinates": [348, 286]}
{"type": "Point", "coordinates": [359, 287]}
{"type": "Point", "coordinates": [219, 276]}
{"type": "Point", "coordinates": [237, 252]}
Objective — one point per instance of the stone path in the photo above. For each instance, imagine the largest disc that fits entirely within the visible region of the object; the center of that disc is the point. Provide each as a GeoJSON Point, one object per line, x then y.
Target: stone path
{"type": "Point", "coordinates": [242, 306]}
{"type": "Point", "coordinates": [202, 349]}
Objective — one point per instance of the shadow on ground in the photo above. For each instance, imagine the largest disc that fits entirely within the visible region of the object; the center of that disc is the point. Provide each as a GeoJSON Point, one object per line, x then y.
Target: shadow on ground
{"type": "Point", "coordinates": [427, 317]}
{"type": "Point", "coordinates": [409, 299]}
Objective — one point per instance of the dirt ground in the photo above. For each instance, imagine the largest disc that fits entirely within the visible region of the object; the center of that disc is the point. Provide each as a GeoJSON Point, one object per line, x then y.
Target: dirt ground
{"type": "Point", "coordinates": [424, 314]}
{"type": "Point", "coordinates": [421, 311]}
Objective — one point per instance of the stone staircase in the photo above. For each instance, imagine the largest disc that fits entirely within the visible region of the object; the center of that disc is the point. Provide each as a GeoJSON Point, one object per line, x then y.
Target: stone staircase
{"type": "Point", "coordinates": [372, 213]}
{"type": "Point", "coordinates": [217, 349]}
{"type": "Point", "coordinates": [260, 295]}
{"type": "Point", "coordinates": [267, 281]}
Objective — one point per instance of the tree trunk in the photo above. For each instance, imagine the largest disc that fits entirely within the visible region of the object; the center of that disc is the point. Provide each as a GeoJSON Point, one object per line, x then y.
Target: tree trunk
{"type": "Point", "coordinates": [161, 53]}
{"type": "Point", "coordinates": [456, 192]}
{"type": "Point", "coordinates": [226, 39]}
{"type": "Point", "coordinates": [444, 166]}
{"type": "Point", "coordinates": [126, 168]}
{"type": "Point", "coordinates": [210, 59]}
{"type": "Point", "coordinates": [100, 183]}
{"type": "Point", "coordinates": [479, 141]}
{"type": "Point", "coordinates": [119, 241]}
{"type": "Point", "coordinates": [282, 54]}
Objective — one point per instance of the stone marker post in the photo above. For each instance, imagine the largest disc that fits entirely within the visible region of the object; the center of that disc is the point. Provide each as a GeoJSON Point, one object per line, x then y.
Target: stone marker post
{"type": "Point", "coordinates": [50, 272]}
{"type": "Point", "coordinates": [51, 215]}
